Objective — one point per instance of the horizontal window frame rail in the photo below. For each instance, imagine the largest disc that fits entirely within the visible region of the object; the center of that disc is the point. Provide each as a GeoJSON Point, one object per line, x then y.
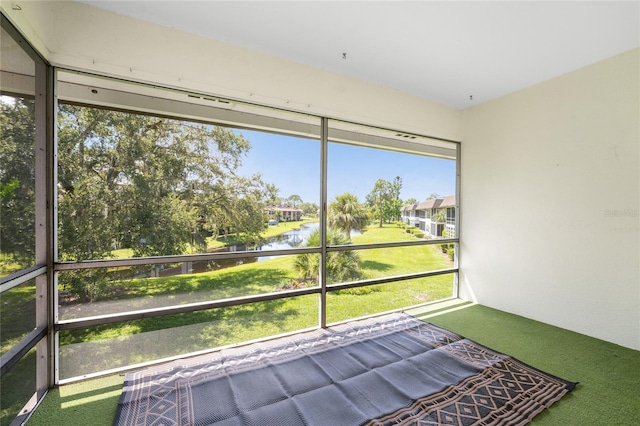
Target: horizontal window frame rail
{"type": "Point", "coordinates": [391, 279]}
{"type": "Point", "coordinates": [19, 350]}
{"type": "Point", "coordinates": [74, 324]}
{"type": "Point", "coordinates": [392, 244]}
{"type": "Point", "coordinates": [21, 277]}
{"type": "Point", "coordinates": [155, 260]}
{"type": "Point", "coordinates": [347, 137]}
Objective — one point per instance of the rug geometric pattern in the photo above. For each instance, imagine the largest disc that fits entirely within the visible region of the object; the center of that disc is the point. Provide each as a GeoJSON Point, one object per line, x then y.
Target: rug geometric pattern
{"type": "Point", "coordinates": [389, 370]}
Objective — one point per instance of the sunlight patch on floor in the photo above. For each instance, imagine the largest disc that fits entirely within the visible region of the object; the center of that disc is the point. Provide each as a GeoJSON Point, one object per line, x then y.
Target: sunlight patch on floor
{"type": "Point", "coordinates": [439, 308]}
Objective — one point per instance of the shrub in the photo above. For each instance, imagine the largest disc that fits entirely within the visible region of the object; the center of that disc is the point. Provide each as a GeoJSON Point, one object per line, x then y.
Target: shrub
{"type": "Point", "coordinates": [445, 247]}
{"type": "Point", "coordinates": [341, 265]}
{"type": "Point", "coordinates": [85, 286]}
{"type": "Point", "coordinates": [291, 284]}
{"type": "Point", "coordinates": [451, 253]}
{"type": "Point", "coordinates": [359, 291]}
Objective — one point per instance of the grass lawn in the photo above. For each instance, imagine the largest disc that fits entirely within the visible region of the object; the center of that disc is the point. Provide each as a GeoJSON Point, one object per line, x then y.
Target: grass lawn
{"type": "Point", "coordinates": [378, 263]}
{"type": "Point", "coordinates": [17, 314]}
{"type": "Point", "coordinates": [93, 349]}
{"type": "Point", "coordinates": [117, 345]}
{"type": "Point", "coordinates": [10, 264]}
{"type": "Point", "coordinates": [267, 276]}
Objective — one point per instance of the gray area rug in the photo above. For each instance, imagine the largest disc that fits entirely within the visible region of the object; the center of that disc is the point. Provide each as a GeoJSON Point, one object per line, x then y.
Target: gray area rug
{"type": "Point", "coordinates": [388, 370]}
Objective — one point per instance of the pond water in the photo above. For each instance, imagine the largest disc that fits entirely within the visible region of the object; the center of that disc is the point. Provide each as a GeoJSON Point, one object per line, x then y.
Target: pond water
{"type": "Point", "coordinates": [290, 239]}
{"type": "Point", "coordinates": [287, 240]}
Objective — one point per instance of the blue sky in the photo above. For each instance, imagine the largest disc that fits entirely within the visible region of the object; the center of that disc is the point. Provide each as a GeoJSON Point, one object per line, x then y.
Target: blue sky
{"type": "Point", "coordinates": [293, 165]}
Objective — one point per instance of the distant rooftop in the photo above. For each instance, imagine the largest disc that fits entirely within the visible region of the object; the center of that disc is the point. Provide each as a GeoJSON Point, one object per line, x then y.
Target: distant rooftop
{"type": "Point", "coordinates": [434, 203]}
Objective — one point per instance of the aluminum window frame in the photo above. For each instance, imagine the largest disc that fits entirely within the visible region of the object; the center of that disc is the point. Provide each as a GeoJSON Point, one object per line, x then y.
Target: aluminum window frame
{"type": "Point", "coordinates": [191, 106]}
{"type": "Point", "coordinates": [41, 337]}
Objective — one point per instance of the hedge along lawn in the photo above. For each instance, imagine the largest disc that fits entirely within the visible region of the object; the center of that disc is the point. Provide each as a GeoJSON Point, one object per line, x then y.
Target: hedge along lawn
{"type": "Point", "coordinates": [223, 326]}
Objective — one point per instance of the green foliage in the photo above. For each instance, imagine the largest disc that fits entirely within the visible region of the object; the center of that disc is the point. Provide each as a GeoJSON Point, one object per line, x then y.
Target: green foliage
{"type": "Point", "coordinates": [448, 247]}
{"type": "Point", "coordinates": [359, 291]}
{"type": "Point", "coordinates": [451, 253]}
{"type": "Point", "coordinates": [294, 200]}
{"type": "Point", "coordinates": [346, 213]}
{"type": "Point", "coordinates": [17, 314]}
{"type": "Point", "coordinates": [151, 184]}
{"type": "Point", "coordinates": [8, 190]}
{"type": "Point", "coordinates": [440, 216]}
{"type": "Point", "coordinates": [384, 200]}
{"type": "Point", "coordinates": [410, 202]}
{"type": "Point", "coordinates": [17, 184]}
{"type": "Point", "coordinates": [84, 286]}
{"type": "Point", "coordinates": [433, 196]}
{"type": "Point", "coordinates": [293, 284]}
{"type": "Point", "coordinates": [9, 264]}
{"type": "Point", "coordinates": [249, 218]}
{"type": "Point", "coordinates": [18, 385]}
{"type": "Point", "coordinates": [309, 209]}
{"type": "Point", "coordinates": [341, 265]}
{"type": "Point", "coordinates": [414, 231]}
{"type": "Point", "coordinates": [264, 277]}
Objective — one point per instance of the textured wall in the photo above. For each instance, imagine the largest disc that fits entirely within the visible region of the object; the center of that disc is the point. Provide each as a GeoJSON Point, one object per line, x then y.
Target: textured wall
{"type": "Point", "coordinates": [551, 201]}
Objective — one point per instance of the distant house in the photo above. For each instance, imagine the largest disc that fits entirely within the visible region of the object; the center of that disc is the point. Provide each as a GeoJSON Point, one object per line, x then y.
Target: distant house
{"type": "Point", "coordinates": [284, 214]}
{"type": "Point", "coordinates": [420, 215]}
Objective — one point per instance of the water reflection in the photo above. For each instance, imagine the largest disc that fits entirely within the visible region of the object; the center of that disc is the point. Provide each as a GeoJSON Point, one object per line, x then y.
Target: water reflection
{"type": "Point", "coordinates": [290, 239]}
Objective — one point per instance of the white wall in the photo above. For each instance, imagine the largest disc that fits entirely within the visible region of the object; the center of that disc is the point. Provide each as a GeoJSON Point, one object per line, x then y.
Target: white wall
{"type": "Point", "coordinates": [551, 201]}
{"type": "Point", "coordinates": [82, 37]}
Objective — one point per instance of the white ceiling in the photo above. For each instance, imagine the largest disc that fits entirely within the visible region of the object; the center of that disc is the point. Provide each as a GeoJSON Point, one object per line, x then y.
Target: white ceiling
{"type": "Point", "coordinates": [442, 51]}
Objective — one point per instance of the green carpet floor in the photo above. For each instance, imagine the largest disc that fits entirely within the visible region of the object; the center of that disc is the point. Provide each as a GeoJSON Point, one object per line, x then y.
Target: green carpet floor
{"type": "Point", "coordinates": [609, 375]}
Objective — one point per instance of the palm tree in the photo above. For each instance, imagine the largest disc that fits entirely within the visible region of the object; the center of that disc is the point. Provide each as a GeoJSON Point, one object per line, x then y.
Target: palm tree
{"type": "Point", "coordinates": [341, 265]}
{"type": "Point", "coordinates": [346, 213]}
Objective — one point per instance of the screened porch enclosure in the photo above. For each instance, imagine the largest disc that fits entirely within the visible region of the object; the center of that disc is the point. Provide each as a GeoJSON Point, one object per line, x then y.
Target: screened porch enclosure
{"type": "Point", "coordinates": [138, 223]}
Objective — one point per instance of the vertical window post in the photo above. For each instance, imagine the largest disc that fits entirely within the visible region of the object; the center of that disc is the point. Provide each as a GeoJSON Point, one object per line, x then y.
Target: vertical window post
{"type": "Point", "coordinates": [324, 137]}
